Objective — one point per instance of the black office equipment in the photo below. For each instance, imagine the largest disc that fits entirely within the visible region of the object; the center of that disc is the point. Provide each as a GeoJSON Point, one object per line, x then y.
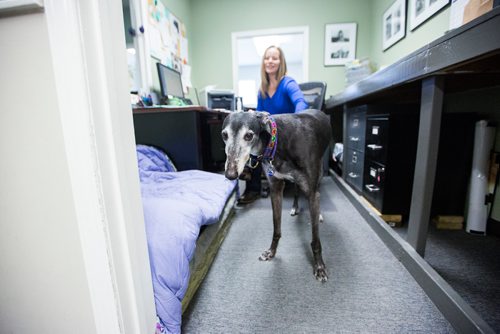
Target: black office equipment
{"type": "Point", "coordinates": [171, 86]}
{"type": "Point", "coordinates": [221, 99]}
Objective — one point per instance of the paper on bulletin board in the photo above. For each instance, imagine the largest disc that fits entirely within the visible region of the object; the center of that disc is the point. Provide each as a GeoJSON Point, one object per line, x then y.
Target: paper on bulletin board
{"type": "Point", "coordinates": [184, 50]}
{"type": "Point", "coordinates": [186, 78]}
{"type": "Point", "coordinates": [154, 13]}
{"type": "Point", "coordinates": [155, 43]}
{"type": "Point", "coordinates": [175, 30]}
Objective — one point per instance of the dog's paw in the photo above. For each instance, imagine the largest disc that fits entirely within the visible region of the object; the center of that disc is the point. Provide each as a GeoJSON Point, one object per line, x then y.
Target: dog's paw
{"type": "Point", "coordinates": [267, 255]}
{"type": "Point", "coordinates": [320, 274]}
{"type": "Point", "coordinates": [320, 218]}
{"type": "Point", "coordinates": [295, 211]}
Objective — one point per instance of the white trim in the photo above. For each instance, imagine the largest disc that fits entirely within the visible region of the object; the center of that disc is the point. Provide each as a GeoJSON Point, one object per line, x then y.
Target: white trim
{"type": "Point", "coordinates": [140, 11]}
{"type": "Point", "coordinates": [67, 50]}
{"type": "Point", "coordinates": [7, 5]}
{"type": "Point", "coordinates": [264, 32]}
{"type": "Point", "coordinates": [90, 70]}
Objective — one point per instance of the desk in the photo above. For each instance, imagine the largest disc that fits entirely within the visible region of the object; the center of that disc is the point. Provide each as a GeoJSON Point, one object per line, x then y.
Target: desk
{"type": "Point", "coordinates": [466, 58]}
{"type": "Point", "coordinates": [190, 136]}
{"type": "Point", "coordinates": [463, 60]}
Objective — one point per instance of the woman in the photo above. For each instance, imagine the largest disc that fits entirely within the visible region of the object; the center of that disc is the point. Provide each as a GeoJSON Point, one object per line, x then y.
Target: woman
{"type": "Point", "coordinates": [278, 94]}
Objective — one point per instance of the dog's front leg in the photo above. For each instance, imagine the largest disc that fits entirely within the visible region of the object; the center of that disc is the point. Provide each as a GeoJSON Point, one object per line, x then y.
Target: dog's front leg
{"type": "Point", "coordinates": [277, 187]}
{"type": "Point", "coordinates": [319, 266]}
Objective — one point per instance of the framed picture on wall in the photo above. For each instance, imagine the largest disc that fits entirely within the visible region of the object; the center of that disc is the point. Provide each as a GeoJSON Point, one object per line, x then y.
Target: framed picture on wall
{"type": "Point", "coordinates": [394, 24]}
{"type": "Point", "coordinates": [340, 43]}
{"type": "Point", "coordinates": [421, 10]}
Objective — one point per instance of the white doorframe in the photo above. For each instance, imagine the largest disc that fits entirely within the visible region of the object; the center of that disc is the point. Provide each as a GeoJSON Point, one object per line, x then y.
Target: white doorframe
{"type": "Point", "coordinates": [87, 43]}
{"type": "Point", "coordinates": [304, 30]}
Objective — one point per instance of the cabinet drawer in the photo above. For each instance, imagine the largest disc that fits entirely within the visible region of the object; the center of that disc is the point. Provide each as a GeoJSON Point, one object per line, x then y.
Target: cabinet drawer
{"type": "Point", "coordinates": [354, 162]}
{"type": "Point", "coordinates": [377, 135]}
{"type": "Point", "coordinates": [355, 131]}
{"type": "Point", "coordinates": [373, 190]}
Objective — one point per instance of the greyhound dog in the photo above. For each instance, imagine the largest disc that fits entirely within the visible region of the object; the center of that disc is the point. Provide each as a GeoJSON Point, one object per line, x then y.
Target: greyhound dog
{"type": "Point", "coordinates": [290, 147]}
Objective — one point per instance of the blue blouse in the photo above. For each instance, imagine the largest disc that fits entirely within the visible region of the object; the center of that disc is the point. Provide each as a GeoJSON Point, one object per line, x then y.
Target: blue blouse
{"type": "Point", "coordinates": [288, 98]}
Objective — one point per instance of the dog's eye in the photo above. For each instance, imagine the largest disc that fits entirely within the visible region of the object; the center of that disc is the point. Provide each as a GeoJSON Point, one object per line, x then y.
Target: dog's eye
{"type": "Point", "coordinates": [248, 136]}
{"type": "Point", "coordinates": [224, 135]}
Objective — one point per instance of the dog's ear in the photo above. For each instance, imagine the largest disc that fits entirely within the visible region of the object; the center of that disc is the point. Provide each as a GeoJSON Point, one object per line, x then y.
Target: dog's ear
{"type": "Point", "coordinates": [263, 117]}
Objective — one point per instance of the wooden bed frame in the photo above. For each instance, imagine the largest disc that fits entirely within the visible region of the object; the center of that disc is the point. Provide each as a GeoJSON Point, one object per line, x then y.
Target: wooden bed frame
{"type": "Point", "coordinates": [207, 246]}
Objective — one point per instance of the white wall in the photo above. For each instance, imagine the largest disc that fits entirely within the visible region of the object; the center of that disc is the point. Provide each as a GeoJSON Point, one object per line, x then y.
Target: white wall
{"type": "Point", "coordinates": [43, 285]}
{"type": "Point", "coordinates": [73, 256]}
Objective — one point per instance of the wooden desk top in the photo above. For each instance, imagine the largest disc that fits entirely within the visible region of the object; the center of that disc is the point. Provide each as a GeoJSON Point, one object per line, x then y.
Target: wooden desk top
{"type": "Point", "coordinates": [155, 109]}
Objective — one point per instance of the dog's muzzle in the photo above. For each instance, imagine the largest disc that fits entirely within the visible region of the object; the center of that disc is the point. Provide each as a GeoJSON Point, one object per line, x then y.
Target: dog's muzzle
{"type": "Point", "coordinates": [235, 163]}
{"type": "Point", "coordinates": [231, 172]}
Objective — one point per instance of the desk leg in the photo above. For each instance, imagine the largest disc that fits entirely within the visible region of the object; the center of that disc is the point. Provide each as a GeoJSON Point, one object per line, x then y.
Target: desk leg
{"type": "Point", "coordinates": [431, 107]}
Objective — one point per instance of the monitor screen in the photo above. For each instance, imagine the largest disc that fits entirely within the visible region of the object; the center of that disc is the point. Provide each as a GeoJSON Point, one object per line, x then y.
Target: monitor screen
{"type": "Point", "coordinates": [170, 81]}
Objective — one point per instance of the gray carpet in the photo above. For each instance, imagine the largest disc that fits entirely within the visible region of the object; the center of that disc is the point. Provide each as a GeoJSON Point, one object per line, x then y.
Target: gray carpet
{"type": "Point", "coordinates": [469, 263]}
{"type": "Point", "coordinates": [368, 290]}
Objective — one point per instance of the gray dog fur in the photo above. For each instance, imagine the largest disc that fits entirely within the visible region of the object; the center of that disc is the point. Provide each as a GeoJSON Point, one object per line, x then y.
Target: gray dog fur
{"type": "Point", "coordinates": [302, 140]}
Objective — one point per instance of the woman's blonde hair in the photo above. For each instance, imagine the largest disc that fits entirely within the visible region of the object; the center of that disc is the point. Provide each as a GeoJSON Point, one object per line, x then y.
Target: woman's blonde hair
{"type": "Point", "coordinates": [264, 84]}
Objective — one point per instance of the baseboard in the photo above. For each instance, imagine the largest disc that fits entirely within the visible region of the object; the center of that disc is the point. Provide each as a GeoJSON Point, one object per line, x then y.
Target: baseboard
{"type": "Point", "coordinates": [461, 316]}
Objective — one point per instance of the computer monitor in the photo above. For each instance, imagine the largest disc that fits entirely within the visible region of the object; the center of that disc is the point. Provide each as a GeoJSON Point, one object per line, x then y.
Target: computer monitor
{"type": "Point", "coordinates": [170, 82]}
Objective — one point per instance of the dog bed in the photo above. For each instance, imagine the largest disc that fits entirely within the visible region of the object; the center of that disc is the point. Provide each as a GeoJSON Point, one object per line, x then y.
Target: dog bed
{"type": "Point", "coordinates": [176, 205]}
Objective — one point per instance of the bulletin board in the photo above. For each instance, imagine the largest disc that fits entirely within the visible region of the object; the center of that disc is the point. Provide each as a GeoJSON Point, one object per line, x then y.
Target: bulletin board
{"type": "Point", "coordinates": [167, 40]}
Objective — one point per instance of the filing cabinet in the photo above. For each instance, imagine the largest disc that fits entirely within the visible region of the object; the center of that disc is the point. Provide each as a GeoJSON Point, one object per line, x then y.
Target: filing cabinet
{"type": "Point", "coordinates": [379, 154]}
{"type": "Point", "coordinates": [390, 153]}
{"type": "Point", "coordinates": [354, 147]}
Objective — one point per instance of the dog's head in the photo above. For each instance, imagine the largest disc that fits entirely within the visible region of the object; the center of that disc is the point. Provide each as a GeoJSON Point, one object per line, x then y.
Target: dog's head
{"type": "Point", "coordinates": [242, 134]}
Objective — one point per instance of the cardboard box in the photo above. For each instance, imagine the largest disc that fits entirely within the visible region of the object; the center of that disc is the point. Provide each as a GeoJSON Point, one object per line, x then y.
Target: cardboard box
{"type": "Point", "coordinates": [463, 11]}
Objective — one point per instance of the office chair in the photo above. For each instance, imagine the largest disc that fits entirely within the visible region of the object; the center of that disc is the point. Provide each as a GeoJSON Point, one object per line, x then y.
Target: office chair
{"type": "Point", "coordinates": [314, 93]}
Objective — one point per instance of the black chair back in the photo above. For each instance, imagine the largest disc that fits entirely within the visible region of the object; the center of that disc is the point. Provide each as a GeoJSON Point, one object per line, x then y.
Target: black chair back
{"type": "Point", "coordinates": [314, 93]}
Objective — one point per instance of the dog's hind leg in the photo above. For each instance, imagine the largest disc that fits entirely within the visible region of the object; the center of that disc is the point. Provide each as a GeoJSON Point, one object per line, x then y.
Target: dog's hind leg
{"type": "Point", "coordinates": [295, 207]}
{"type": "Point", "coordinates": [319, 266]}
{"type": "Point", "coordinates": [277, 187]}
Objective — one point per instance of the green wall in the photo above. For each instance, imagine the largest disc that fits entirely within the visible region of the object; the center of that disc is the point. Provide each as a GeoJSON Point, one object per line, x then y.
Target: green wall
{"type": "Point", "coordinates": [209, 25]}
{"type": "Point", "coordinates": [214, 21]}
{"type": "Point", "coordinates": [428, 31]}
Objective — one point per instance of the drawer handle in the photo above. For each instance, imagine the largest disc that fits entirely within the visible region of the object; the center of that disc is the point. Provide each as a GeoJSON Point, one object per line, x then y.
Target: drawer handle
{"type": "Point", "coordinates": [353, 175]}
{"type": "Point", "coordinates": [374, 147]}
{"type": "Point", "coordinates": [371, 188]}
{"type": "Point", "coordinates": [354, 138]}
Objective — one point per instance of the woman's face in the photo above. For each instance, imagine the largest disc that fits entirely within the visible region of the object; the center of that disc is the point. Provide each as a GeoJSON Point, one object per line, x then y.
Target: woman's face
{"type": "Point", "coordinates": [272, 61]}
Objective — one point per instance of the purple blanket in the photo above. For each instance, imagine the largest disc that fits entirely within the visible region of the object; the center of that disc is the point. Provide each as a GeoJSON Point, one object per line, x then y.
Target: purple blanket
{"type": "Point", "coordinates": [176, 205]}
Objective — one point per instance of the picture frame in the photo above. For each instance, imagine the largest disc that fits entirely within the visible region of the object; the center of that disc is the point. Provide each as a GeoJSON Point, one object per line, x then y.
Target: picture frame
{"type": "Point", "coordinates": [393, 24]}
{"type": "Point", "coordinates": [340, 43]}
{"type": "Point", "coordinates": [420, 11]}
